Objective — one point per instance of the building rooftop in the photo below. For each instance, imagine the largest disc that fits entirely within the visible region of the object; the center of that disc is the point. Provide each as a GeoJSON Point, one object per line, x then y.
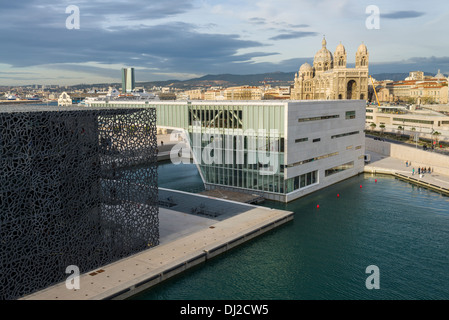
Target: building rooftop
{"type": "Point", "coordinates": [14, 108]}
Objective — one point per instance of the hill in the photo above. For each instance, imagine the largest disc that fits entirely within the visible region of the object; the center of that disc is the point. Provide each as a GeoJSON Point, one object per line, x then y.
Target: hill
{"type": "Point", "coordinates": [395, 76]}
{"type": "Point", "coordinates": [228, 80]}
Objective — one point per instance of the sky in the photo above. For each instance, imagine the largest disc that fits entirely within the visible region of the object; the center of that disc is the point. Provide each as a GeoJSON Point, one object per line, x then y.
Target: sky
{"type": "Point", "coordinates": [40, 42]}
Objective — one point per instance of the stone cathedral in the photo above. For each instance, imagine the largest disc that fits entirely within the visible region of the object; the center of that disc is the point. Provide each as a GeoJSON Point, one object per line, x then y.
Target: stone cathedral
{"type": "Point", "coordinates": [330, 79]}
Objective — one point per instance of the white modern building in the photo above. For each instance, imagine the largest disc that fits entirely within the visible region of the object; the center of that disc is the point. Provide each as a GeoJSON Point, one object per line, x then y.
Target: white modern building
{"type": "Point", "coordinates": [281, 150]}
{"type": "Point", "coordinates": [64, 100]}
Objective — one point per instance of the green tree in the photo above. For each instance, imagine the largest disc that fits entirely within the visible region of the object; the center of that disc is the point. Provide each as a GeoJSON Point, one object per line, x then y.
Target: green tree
{"type": "Point", "coordinates": [412, 136]}
{"type": "Point", "coordinates": [437, 135]}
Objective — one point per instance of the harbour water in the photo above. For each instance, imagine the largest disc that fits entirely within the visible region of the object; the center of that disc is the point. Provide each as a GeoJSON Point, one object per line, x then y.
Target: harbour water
{"type": "Point", "coordinates": [323, 254]}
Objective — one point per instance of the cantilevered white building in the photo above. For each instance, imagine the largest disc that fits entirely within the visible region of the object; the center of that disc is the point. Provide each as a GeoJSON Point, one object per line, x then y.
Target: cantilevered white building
{"type": "Point", "coordinates": [281, 150]}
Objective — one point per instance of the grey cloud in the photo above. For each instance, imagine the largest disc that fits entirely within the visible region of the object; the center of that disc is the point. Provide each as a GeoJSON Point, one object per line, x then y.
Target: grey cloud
{"type": "Point", "coordinates": [426, 64]}
{"type": "Point", "coordinates": [174, 47]}
{"type": "Point", "coordinates": [299, 25]}
{"type": "Point", "coordinates": [402, 14]}
{"type": "Point", "coordinates": [294, 35]}
{"type": "Point", "coordinates": [258, 21]}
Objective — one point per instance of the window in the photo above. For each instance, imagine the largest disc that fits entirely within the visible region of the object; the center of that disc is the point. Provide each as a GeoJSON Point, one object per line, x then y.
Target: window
{"type": "Point", "coordinates": [350, 115]}
{"type": "Point", "coordinates": [316, 140]}
{"type": "Point", "coordinates": [413, 120]}
{"type": "Point", "coordinates": [303, 180]}
{"type": "Point", "coordinates": [301, 140]}
{"type": "Point", "coordinates": [318, 118]}
{"type": "Point", "coordinates": [313, 159]}
{"type": "Point", "coordinates": [338, 169]}
{"type": "Point", "coordinates": [345, 134]}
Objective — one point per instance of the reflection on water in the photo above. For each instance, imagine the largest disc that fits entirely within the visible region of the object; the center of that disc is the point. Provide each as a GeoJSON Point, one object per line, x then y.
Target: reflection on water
{"type": "Point", "coordinates": [323, 253]}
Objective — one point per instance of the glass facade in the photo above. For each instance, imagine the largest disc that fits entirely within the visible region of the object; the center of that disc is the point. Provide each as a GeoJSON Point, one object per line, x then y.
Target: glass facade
{"type": "Point", "coordinates": [238, 145]}
{"type": "Point", "coordinates": [301, 181]}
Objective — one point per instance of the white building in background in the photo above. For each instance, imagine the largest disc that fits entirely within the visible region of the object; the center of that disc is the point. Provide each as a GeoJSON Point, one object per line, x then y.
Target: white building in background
{"type": "Point", "coordinates": [64, 100]}
{"type": "Point", "coordinates": [281, 150]}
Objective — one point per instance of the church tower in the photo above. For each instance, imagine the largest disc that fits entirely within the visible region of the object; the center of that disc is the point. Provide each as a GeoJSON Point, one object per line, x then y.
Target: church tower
{"type": "Point", "coordinates": [362, 57]}
{"type": "Point", "coordinates": [340, 57]}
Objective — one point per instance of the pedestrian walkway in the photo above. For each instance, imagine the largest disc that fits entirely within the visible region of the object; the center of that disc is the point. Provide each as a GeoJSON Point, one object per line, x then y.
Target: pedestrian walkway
{"type": "Point", "coordinates": [380, 164]}
{"type": "Point", "coordinates": [187, 239]}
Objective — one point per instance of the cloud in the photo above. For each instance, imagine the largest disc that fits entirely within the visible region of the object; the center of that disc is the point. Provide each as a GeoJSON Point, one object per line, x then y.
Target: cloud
{"type": "Point", "coordinates": [426, 64]}
{"type": "Point", "coordinates": [258, 21]}
{"type": "Point", "coordinates": [294, 35]}
{"type": "Point", "coordinates": [402, 14]}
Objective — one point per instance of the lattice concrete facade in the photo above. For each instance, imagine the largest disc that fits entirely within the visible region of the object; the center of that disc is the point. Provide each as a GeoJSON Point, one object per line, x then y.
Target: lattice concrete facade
{"type": "Point", "coordinates": [67, 195]}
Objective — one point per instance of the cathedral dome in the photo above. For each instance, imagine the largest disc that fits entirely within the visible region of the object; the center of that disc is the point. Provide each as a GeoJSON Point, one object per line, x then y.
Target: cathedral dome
{"type": "Point", "coordinates": [306, 68]}
{"type": "Point", "coordinates": [323, 58]}
{"type": "Point", "coordinates": [440, 75]}
{"type": "Point", "coordinates": [323, 55]}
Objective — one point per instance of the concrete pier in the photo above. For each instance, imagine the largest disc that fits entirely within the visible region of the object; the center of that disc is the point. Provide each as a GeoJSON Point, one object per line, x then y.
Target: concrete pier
{"type": "Point", "coordinates": [381, 164]}
{"type": "Point", "coordinates": [188, 238]}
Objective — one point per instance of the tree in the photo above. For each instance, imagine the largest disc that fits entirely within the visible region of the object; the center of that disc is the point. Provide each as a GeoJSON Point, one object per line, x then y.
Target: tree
{"type": "Point", "coordinates": [382, 128]}
{"type": "Point", "coordinates": [412, 136]}
{"type": "Point", "coordinates": [436, 134]}
{"type": "Point", "coordinates": [373, 126]}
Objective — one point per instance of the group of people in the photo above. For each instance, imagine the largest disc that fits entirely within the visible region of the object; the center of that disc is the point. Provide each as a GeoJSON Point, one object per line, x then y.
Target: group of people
{"type": "Point", "coordinates": [422, 170]}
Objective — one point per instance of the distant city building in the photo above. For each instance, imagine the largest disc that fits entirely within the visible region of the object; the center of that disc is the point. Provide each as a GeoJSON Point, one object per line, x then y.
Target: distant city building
{"type": "Point", "coordinates": [243, 93]}
{"type": "Point", "coordinates": [416, 89]}
{"type": "Point", "coordinates": [197, 94]}
{"type": "Point", "coordinates": [64, 100]}
{"type": "Point", "coordinates": [415, 75]}
{"type": "Point", "coordinates": [330, 79]}
{"type": "Point", "coordinates": [128, 80]}
{"type": "Point", "coordinates": [278, 93]}
{"type": "Point", "coordinates": [407, 121]}
{"type": "Point", "coordinates": [214, 94]}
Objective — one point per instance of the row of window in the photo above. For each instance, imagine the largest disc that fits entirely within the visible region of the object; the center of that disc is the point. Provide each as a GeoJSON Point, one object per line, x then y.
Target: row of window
{"type": "Point", "coordinates": [318, 158]}
{"type": "Point", "coordinates": [318, 118]}
{"type": "Point", "coordinates": [313, 159]}
{"type": "Point", "coordinates": [311, 178]}
{"type": "Point", "coordinates": [340, 168]}
{"type": "Point", "coordinates": [345, 134]}
{"type": "Point", "coordinates": [302, 181]}
{"type": "Point", "coordinates": [348, 116]}
{"type": "Point", "coordinates": [333, 137]}
{"type": "Point", "coordinates": [413, 120]}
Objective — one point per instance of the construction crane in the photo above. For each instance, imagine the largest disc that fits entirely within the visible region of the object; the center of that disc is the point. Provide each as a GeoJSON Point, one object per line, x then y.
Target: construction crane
{"type": "Point", "coordinates": [375, 92]}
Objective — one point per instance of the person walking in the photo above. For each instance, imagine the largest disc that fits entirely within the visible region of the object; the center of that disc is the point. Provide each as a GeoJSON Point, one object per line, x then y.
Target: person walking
{"type": "Point", "coordinates": [413, 172]}
{"type": "Point", "coordinates": [419, 171]}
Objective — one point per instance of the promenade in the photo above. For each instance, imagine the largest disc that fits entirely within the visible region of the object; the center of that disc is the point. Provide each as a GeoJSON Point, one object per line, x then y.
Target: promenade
{"type": "Point", "coordinates": [186, 240]}
{"type": "Point", "coordinates": [381, 164]}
